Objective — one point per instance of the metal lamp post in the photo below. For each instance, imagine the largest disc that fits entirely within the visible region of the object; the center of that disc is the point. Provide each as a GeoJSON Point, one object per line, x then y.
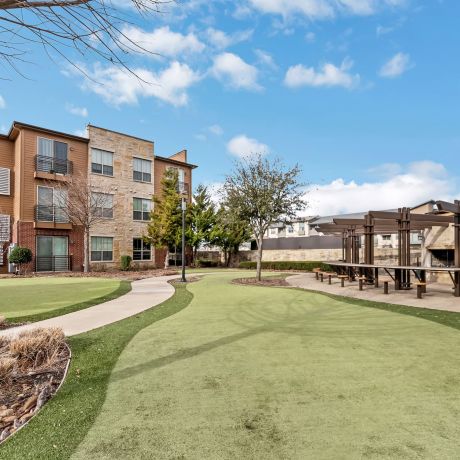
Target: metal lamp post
{"type": "Point", "coordinates": [184, 208]}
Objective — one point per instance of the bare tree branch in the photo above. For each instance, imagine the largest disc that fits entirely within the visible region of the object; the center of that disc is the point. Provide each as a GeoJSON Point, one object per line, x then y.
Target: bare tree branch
{"type": "Point", "coordinates": [66, 26]}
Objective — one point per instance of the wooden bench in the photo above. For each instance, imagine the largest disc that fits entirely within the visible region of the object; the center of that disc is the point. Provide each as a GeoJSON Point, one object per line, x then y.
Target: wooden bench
{"type": "Point", "coordinates": [342, 279]}
{"type": "Point", "coordinates": [361, 280]}
{"type": "Point", "coordinates": [421, 289]}
{"type": "Point", "coordinates": [316, 271]}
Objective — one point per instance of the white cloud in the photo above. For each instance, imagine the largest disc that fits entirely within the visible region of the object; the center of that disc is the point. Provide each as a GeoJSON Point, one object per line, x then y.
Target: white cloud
{"type": "Point", "coordinates": [310, 37]}
{"type": "Point", "coordinates": [322, 9]}
{"type": "Point", "coordinates": [265, 58]}
{"type": "Point", "coordinates": [162, 41]}
{"type": "Point", "coordinates": [2, 102]}
{"type": "Point", "coordinates": [220, 40]}
{"type": "Point", "coordinates": [243, 146]}
{"type": "Point", "coordinates": [234, 72]}
{"type": "Point", "coordinates": [396, 66]}
{"type": "Point", "coordinates": [200, 137]}
{"type": "Point", "coordinates": [409, 186]}
{"type": "Point", "coordinates": [81, 132]}
{"type": "Point", "coordinates": [118, 87]}
{"type": "Point", "coordinates": [78, 111]}
{"type": "Point", "coordinates": [327, 75]}
{"type": "Point", "coordinates": [216, 129]}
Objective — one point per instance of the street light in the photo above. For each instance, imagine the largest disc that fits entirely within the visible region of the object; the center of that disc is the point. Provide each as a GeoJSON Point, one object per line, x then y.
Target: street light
{"type": "Point", "coordinates": [184, 208]}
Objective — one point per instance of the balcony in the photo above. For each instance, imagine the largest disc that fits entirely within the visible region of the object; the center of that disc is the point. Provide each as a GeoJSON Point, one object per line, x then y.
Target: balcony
{"type": "Point", "coordinates": [51, 217]}
{"type": "Point", "coordinates": [53, 263]}
{"type": "Point", "coordinates": [52, 168]}
{"type": "Point", "coordinates": [183, 187]}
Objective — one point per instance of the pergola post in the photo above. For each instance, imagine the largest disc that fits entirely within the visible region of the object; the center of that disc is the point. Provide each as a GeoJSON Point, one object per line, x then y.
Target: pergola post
{"type": "Point", "coordinates": [369, 245]}
{"type": "Point", "coordinates": [457, 249]}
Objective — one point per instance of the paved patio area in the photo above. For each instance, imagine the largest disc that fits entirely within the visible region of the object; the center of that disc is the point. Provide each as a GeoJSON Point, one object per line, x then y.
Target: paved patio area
{"type": "Point", "coordinates": [438, 296]}
{"type": "Point", "coordinates": [144, 294]}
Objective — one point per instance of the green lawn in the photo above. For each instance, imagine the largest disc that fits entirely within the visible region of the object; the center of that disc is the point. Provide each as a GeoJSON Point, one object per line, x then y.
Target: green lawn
{"type": "Point", "coordinates": [257, 373]}
{"type": "Point", "coordinates": [33, 299]}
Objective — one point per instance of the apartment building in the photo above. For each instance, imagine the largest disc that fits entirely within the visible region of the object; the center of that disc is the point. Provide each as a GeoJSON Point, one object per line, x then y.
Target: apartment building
{"type": "Point", "coordinates": [35, 162]}
{"type": "Point", "coordinates": [126, 168]}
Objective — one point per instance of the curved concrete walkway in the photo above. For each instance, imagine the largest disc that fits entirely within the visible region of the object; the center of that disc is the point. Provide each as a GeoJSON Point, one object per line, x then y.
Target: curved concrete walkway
{"type": "Point", "coordinates": [438, 296]}
{"type": "Point", "coordinates": [145, 294]}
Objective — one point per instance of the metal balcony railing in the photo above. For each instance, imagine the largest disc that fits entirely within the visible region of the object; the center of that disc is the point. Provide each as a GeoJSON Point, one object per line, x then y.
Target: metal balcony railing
{"type": "Point", "coordinates": [53, 165]}
{"type": "Point", "coordinates": [55, 214]}
{"type": "Point", "coordinates": [53, 263]}
{"type": "Point", "coordinates": [183, 187]}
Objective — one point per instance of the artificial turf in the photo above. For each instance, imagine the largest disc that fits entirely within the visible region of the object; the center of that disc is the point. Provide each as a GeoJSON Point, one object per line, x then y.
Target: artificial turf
{"type": "Point", "coordinates": [62, 424]}
{"type": "Point", "coordinates": [35, 299]}
{"type": "Point", "coordinates": [250, 372]}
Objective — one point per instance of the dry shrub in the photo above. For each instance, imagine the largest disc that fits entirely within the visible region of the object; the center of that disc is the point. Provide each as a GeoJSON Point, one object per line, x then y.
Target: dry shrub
{"type": "Point", "coordinates": [2, 319]}
{"type": "Point", "coordinates": [6, 368]}
{"type": "Point", "coordinates": [37, 347]}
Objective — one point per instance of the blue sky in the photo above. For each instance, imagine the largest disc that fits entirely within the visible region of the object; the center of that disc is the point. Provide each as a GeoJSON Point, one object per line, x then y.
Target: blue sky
{"type": "Point", "coordinates": [364, 94]}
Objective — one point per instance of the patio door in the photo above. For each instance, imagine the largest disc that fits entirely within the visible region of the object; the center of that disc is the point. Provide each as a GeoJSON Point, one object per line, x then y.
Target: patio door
{"type": "Point", "coordinates": [52, 253]}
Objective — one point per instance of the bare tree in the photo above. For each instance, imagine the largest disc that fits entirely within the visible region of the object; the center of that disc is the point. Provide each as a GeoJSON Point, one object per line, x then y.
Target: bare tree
{"type": "Point", "coordinates": [264, 192]}
{"type": "Point", "coordinates": [63, 26]}
{"type": "Point", "coordinates": [84, 204]}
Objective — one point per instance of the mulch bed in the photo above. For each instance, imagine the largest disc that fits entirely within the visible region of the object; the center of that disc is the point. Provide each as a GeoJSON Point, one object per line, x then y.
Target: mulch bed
{"type": "Point", "coordinates": [5, 325]}
{"type": "Point", "coordinates": [28, 388]}
{"type": "Point", "coordinates": [271, 282]}
{"type": "Point", "coordinates": [129, 275]}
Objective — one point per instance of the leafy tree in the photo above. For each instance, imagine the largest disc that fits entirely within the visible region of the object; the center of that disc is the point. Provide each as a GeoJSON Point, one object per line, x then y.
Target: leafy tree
{"type": "Point", "coordinates": [202, 217]}
{"type": "Point", "coordinates": [229, 233]}
{"type": "Point", "coordinates": [263, 192]}
{"type": "Point", "coordinates": [165, 227]}
{"type": "Point", "coordinates": [20, 256]}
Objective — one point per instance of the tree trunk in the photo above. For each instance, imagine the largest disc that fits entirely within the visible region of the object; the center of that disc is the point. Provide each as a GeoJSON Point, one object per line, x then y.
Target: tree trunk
{"type": "Point", "coordinates": [229, 258]}
{"type": "Point", "coordinates": [167, 259]}
{"type": "Point", "coordinates": [86, 249]}
{"type": "Point", "coordinates": [194, 252]}
{"type": "Point", "coordinates": [259, 258]}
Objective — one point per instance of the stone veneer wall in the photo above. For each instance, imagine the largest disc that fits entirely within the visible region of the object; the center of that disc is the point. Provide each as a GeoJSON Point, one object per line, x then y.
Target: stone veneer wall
{"type": "Point", "coordinates": [122, 227]}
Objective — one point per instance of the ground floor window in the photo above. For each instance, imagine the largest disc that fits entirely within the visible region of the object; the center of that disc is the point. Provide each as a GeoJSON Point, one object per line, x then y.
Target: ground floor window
{"type": "Point", "coordinates": [442, 257]}
{"type": "Point", "coordinates": [101, 249]}
{"type": "Point", "coordinates": [141, 250]}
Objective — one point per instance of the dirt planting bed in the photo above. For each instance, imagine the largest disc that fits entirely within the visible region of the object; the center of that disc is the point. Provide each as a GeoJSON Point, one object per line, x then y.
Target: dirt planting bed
{"type": "Point", "coordinates": [129, 275]}
{"type": "Point", "coordinates": [276, 282]}
{"type": "Point", "coordinates": [32, 366]}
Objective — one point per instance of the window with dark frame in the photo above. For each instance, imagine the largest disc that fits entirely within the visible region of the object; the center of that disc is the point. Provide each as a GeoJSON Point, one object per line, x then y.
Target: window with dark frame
{"type": "Point", "coordinates": [103, 205]}
{"type": "Point", "coordinates": [52, 156]}
{"type": "Point", "coordinates": [141, 209]}
{"type": "Point", "coordinates": [101, 162]}
{"type": "Point", "coordinates": [141, 249]}
{"type": "Point", "coordinates": [101, 249]}
{"type": "Point", "coordinates": [142, 170]}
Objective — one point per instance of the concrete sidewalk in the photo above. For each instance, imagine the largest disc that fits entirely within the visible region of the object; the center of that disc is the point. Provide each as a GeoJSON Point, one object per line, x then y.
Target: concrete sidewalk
{"type": "Point", "coordinates": [438, 296]}
{"type": "Point", "coordinates": [144, 294]}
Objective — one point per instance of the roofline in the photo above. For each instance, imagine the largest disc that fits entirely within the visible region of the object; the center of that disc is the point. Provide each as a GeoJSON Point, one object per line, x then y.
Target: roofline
{"type": "Point", "coordinates": [121, 134]}
{"type": "Point", "coordinates": [20, 124]}
{"type": "Point", "coordinates": [175, 162]}
{"type": "Point", "coordinates": [423, 204]}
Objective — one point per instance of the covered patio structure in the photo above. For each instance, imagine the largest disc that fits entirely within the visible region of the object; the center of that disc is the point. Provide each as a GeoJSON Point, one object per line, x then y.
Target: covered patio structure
{"type": "Point", "coordinates": [402, 222]}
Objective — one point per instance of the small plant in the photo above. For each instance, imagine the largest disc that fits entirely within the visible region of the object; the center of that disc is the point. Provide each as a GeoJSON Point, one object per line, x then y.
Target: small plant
{"type": "Point", "coordinates": [205, 263]}
{"type": "Point", "coordinates": [125, 263]}
{"type": "Point", "coordinates": [20, 256]}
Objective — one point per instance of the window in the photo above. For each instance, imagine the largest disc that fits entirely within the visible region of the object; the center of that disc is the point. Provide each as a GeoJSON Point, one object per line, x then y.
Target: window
{"type": "Point", "coordinates": [290, 229]}
{"type": "Point", "coordinates": [102, 204]}
{"type": "Point", "coordinates": [101, 249]}
{"type": "Point", "coordinates": [386, 237]}
{"type": "Point", "coordinates": [5, 230]}
{"type": "Point", "coordinates": [141, 208]}
{"type": "Point", "coordinates": [273, 231]}
{"type": "Point", "coordinates": [142, 170]}
{"type": "Point", "coordinates": [51, 205]}
{"type": "Point", "coordinates": [181, 186]}
{"type": "Point", "coordinates": [102, 162]}
{"type": "Point", "coordinates": [141, 249]}
{"type": "Point", "coordinates": [52, 156]}
{"type": "Point", "coordinates": [5, 181]}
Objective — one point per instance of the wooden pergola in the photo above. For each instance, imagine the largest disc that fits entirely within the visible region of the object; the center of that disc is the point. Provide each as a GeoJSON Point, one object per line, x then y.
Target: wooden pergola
{"type": "Point", "coordinates": [402, 223]}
